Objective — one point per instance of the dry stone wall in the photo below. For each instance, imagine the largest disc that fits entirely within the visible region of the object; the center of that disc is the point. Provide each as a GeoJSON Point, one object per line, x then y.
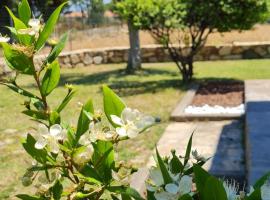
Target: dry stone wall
{"type": "Point", "coordinates": [156, 53]}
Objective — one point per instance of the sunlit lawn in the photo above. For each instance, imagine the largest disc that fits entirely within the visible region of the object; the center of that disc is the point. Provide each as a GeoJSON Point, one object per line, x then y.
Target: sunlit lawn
{"type": "Point", "coordinates": [156, 90]}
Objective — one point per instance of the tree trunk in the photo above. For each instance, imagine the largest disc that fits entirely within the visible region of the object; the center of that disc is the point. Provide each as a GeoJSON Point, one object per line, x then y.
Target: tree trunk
{"type": "Point", "coordinates": [187, 73]}
{"type": "Point", "coordinates": [134, 57]}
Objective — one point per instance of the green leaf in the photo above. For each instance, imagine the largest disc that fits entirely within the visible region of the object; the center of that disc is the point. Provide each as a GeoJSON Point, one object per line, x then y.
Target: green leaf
{"type": "Point", "coordinates": [175, 165]}
{"type": "Point", "coordinates": [49, 27]}
{"type": "Point", "coordinates": [20, 91]}
{"type": "Point", "coordinates": [58, 48]}
{"type": "Point", "coordinates": [54, 118]}
{"type": "Point", "coordinates": [113, 105]}
{"type": "Point", "coordinates": [256, 195]}
{"type": "Point", "coordinates": [18, 24]}
{"type": "Point", "coordinates": [126, 191]}
{"type": "Point", "coordinates": [89, 171]}
{"type": "Point", "coordinates": [51, 78]}
{"type": "Point", "coordinates": [65, 101]}
{"type": "Point", "coordinates": [36, 114]}
{"type": "Point", "coordinates": [17, 60]}
{"type": "Point", "coordinates": [28, 197]}
{"type": "Point", "coordinates": [165, 173]}
{"type": "Point", "coordinates": [201, 177]}
{"type": "Point", "coordinates": [57, 190]}
{"type": "Point", "coordinates": [29, 146]}
{"type": "Point", "coordinates": [214, 190]}
{"type": "Point", "coordinates": [186, 197]}
{"type": "Point", "coordinates": [259, 183]}
{"type": "Point", "coordinates": [24, 11]}
{"type": "Point", "coordinates": [103, 159]}
{"type": "Point", "coordinates": [83, 122]}
{"type": "Point", "coordinates": [188, 150]}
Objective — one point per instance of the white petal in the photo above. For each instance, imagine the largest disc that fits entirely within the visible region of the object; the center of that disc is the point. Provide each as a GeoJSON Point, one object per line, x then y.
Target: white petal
{"type": "Point", "coordinates": [55, 130]}
{"type": "Point", "coordinates": [172, 188]}
{"type": "Point", "coordinates": [42, 129]}
{"type": "Point", "coordinates": [132, 132]}
{"type": "Point", "coordinates": [128, 115]}
{"type": "Point", "coordinates": [185, 185]}
{"type": "Point", "coordinates": [4, 39]}
{"type": "Point", "coordinates": [34, 22]}
{"type": "Point", "coordinates": [62, 135]}
{"type": "Point", "coordinates": [54, 146]}
{"type": "Point", "coordinates": [156, 176]}
{"type": "Point", "coordinates": [164, 196]}
{"type": "Point", "coordinates": [41, 143]}
{"type": "Point", "coordinates": [117, 120]}
{"type": "Point", "coordinates": [121, 132]}
{"type": "Point", "coordinates": [265, 191]}
{"type": "Point", "coordinates": [91, 126]}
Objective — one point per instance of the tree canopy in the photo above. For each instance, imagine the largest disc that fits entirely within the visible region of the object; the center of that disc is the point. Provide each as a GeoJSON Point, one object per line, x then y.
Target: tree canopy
{"type": "Point", "coordinates": [183, 26]}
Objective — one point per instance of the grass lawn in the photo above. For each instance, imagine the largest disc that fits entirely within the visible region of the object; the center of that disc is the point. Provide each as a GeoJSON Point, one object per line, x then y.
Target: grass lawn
{"type": "Point", "coordinates": [156, 90]}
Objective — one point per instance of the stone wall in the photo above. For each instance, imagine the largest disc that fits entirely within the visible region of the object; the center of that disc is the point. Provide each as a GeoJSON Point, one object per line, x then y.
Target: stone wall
{"type": "Point", "coordinates": [156, 53]}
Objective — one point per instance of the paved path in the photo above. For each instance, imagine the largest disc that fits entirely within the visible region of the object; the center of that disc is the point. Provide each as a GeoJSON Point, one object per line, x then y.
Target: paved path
{"type": "Point", "coordinates": [257, 96]}
{"type": "Point", "coordinates": [221, 140]}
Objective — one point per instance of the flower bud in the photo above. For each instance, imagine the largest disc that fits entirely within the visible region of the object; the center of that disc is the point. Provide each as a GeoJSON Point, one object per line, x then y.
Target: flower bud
{"type": "Point", "coordinates": [26, 181]}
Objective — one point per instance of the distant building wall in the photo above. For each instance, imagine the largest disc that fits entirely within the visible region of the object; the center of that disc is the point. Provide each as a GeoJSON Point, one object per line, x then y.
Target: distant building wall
{"type": "Point", "coordinates": [156, 53]}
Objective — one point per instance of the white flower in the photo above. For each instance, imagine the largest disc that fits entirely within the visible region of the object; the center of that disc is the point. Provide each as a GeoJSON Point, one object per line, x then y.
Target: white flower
{"type": "Point", "coordinates": [50, 137]}
{"type": "Point", "coordinates": [34, 24]}
{"type": "Point", "coordinates": [96, 132]}
{"type": "Point", "coordinates": [231, 190]}
{"type": "Point", "coordinates": [163, 195]}
{"type": "Point", "coordinates": [131, 123]}
{"type": "Point", "coordinates": [84, 155]}
{"type": "Point", "coordinates": [185, 185]}
{"type": "Point", "coordinates": [173, 190]}
{"type": "Point", "coordinates": [34, 28]}
{"type": "Point", "coordinates": [4, 39]}
{"type": "Point", "coordinates": [156, 176]}
{"type": "Point", "coordinates": [265, 191]}
{"type": "Point", "coordinates": [180, 188]}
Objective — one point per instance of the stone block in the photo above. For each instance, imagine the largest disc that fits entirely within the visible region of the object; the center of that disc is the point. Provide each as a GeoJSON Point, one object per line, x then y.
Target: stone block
{"type": "Point", "coordinates": [224, 51]}
{"type": "Point", "coordinates": [250, 54]}
{"type": "Point", "coordinates": [74, 58]}
{"type": "Point", "coordinates": [98, 60]}
{"type": "Point", "coordinates": [214, 57]}
{"type": "Point", "coordinates": [260, 51]}
{"type": "Point", "coordinates": [88, 60]}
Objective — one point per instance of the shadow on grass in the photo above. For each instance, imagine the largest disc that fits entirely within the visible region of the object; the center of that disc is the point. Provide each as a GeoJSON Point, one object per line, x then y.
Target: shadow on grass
{"type": "Point", "coordinates": [104, 77]}
{"type": "Point", "coordinates": [115, 79]}
{"type": "Point", "coordinates": [138, 83]}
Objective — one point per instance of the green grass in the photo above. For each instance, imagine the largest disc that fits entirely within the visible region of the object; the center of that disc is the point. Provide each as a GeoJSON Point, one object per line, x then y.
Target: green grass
{"type": "Point", "coordinates": [156, 90]}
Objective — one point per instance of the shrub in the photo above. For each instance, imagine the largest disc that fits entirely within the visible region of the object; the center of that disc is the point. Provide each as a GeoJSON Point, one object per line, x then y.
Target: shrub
{"type": "Point", "coordinates": [79, 162]}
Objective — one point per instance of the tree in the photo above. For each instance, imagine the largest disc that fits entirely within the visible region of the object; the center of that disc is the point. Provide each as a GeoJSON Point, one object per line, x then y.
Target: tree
{"type": "Point", "coordinates": [96, 12]}
{"type": "Point", "coordinates": [44, 7]}
{"type": "Point", "coordinates": [183, 26]}
{"type": "Point", "coordinates": [133, 12]}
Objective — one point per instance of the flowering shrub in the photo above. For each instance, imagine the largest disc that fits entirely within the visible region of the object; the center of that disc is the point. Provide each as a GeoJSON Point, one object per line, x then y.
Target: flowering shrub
{"type": "Point", "coordinates": [79, 162]}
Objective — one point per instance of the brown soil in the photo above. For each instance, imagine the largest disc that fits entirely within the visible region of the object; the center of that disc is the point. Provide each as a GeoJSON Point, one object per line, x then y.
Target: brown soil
{"type": "Point", "coordinates": [220, 93]}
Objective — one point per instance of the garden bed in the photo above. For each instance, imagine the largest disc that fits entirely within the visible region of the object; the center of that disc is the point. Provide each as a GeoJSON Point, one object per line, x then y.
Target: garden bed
{"type": "Point", "coordinates": [213, 100]}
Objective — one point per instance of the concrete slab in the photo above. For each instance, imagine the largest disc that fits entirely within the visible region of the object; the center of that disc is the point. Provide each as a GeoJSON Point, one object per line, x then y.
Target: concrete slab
{"type": "Point", "coordinates": [221, 140]}
{"type": "Point", "coordinates": [257, 127]}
